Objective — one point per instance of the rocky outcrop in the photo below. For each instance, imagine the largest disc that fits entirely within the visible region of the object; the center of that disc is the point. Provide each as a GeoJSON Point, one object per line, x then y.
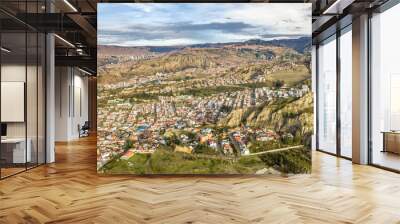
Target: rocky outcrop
{"type": "Point", "coordinates": [293, 115]}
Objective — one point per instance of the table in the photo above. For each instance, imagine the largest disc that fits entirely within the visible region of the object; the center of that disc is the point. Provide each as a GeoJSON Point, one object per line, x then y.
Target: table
{"type": "Point", "coordinates": [13, 150]}
{"type": "Point", "coordinates": [391, 141]}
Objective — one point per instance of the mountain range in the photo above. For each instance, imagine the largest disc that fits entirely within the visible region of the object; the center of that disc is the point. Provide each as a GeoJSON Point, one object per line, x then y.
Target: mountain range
{"type": "Point", "coordinates": [301, 45]}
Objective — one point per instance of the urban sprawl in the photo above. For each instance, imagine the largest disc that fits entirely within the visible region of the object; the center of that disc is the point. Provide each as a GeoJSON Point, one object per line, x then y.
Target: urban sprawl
{"type": "Point", "coordinates": [189, 119]}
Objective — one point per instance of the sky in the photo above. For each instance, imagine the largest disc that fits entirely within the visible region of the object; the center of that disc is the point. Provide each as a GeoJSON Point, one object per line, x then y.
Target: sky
{"type": "Point", "coordinates": [162, 24]}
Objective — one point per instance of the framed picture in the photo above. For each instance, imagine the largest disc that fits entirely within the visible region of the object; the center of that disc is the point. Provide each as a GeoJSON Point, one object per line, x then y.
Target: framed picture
{"type": "Point", "coordinates": [204, 88]}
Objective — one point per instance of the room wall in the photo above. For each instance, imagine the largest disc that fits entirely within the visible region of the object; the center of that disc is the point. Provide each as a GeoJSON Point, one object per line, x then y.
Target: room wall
{"type": "Point", "coordinates": [33, 127]}
{"type": "Point", "coordinates": [69, 112]}
{"type": "Point", "coordinates": [13, 73]}
{"type": "Point", "coordinates": [83, 115]}
{"type": "Point", "coordinates": [62, 82]}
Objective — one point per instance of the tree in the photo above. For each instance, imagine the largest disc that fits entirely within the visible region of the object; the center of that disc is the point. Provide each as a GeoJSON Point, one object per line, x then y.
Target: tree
{"type": "Point", "coordinates": [278, 84]}
{"type": "Point", "coordinates": [128, 144]}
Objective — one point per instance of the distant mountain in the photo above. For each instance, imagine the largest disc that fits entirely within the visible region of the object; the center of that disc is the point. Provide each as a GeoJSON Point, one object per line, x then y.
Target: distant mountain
{"type": "Point", "coordinates": [164, 49]}
{"type": "Point", "coordinates": [106, 50]}
{"type": "Point", "coordinates": [301, 45]}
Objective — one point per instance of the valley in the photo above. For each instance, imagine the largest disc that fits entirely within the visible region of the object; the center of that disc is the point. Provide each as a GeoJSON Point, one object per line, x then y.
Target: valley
{"type": "Point", "coordinates": [205, 109]}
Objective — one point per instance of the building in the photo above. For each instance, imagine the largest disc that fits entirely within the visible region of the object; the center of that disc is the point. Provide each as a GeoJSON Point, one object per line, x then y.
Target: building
{"type": "Point", "coordinates": [48, 59]}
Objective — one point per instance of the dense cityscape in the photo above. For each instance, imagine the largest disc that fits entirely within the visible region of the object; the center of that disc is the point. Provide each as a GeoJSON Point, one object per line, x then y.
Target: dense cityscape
{"type": "Point", "coordinates": [188, 114]}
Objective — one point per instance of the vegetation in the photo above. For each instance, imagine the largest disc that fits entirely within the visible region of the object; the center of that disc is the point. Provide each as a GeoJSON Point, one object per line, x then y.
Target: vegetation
{"type": "Point", "coordinates": [198, 92]}
{"type": "Point", "coordinates": [171, 139]}
{"type": "Point", "coordinates": [180, 78]}
{"type": "Point", "coordinates": [259, 146]}
{"type": "Point", "coordinates": [168, 162]}
{"type": "Point", "coordinates": [255, 85]}
{"type": "Point", "coordinates": [205, 149]}
{"type": "Point", "coordinates": [278, 84]}
{"type": "Point", "coordinates": [203, 72]}
{"type": "Point", "coordinates": [291, 76]}
{"type": "Point", "coordinates": [128, 144]}
{"type": "Point", "coordinates": [136, 164]}
{"type": "Point", "coordinates": [290, 161]}
{"type": "Point", "coordinates": [165, 161]}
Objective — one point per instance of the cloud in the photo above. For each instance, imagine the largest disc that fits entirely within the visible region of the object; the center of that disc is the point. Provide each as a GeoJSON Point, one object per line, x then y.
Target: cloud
{"type": "Point", "coordinates": [228, 27]}
{"type": "Point", "coordinates": [280, 18]}
{"type": "Point", "coordinates": [147, 8]}
{"type": "Point", "coordinates": [282, 35]}
{"type": "Point", "coordinates": [177, 30]}
{"type": "Point", "coordinates": [167, 24]}
{"type": "Point", "coordinates": [159, 42]}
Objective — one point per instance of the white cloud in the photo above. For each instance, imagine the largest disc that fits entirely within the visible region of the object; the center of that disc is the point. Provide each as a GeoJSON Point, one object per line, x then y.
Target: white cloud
{"type": "Point", "coordinates": [145, 7]}
{"type": "Point", "coordinates": [164, 24]}
{"type": "Point", "coordinates": [279, 18]}
{"type": "Point", "coordinates": [159, 42]}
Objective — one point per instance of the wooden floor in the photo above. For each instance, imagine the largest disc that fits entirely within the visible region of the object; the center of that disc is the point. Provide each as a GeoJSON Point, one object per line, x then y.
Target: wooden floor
{"type": "Point", "coordinates": [5, 172]}
{"type": "Point", "coordinates": [386, 159]}
{"type": "Point", "coordinates": [70, 191]}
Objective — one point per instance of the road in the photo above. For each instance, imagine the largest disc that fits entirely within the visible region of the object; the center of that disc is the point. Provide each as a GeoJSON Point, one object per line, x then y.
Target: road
{"type": "Point", "coordinates": [275, 150]}
{"type": "Point", "coordinates": [252, 154]}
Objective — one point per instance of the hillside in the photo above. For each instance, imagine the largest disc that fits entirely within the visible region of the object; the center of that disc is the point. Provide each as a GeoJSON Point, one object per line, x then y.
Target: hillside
{"type": "Point", "coordinates": [105, 50]}
{"type": "Point", "coordinates": [200, 61]}
{"type": "Point", "coordinates": [293, 116]}
{"type": "Point", "coordinates": [205, 108]}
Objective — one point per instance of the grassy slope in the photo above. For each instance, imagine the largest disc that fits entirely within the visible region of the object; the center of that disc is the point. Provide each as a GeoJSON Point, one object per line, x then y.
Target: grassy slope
{"type": "Point", "coordinates": [167, 162]}
{"type": "Point", "coordinates": [290, 77]}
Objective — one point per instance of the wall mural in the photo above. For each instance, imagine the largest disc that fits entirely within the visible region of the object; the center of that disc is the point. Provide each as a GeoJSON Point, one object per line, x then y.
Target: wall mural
{"type": "Point", "coordinates": [204, 88]}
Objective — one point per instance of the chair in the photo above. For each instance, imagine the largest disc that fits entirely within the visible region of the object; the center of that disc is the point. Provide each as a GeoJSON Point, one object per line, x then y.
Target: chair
{"type": "Point", "coordinates": [84, 130]}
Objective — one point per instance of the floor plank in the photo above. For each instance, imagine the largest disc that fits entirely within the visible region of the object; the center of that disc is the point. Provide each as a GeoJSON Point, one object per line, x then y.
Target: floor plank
{"type": "Point", "coordinates": [70, 191]}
